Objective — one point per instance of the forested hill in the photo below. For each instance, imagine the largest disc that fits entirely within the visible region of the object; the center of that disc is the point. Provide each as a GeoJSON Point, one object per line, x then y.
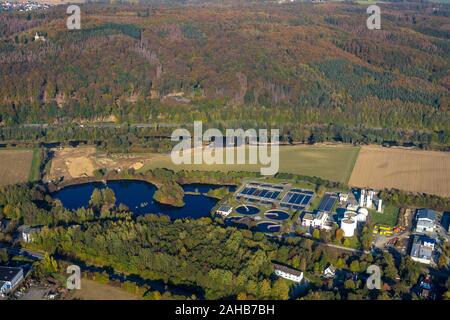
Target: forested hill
{"type": "Point", "coordinates": [271, 64]}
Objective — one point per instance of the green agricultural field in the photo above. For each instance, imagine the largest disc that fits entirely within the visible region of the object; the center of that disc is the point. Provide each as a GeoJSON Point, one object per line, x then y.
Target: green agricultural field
{"type": "Point", "coordinates": [328, 162]}
{"type": "Point", "coordinates": [35, 165]}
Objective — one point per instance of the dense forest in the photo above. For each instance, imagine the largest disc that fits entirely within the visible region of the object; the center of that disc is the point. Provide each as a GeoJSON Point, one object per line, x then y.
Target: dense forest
{"type": "Point", "coordinates": [315, 71]}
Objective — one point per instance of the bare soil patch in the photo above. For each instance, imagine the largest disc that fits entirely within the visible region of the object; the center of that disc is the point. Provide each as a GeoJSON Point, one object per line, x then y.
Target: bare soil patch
{"type": "Point", "coordinates": [71, 163]}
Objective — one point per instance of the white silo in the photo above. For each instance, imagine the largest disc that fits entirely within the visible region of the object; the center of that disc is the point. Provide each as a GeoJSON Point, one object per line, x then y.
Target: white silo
{"type": "Point", "coordinates": [361, 218]}
{"type": "Point", "coordinates": [363, 211]}
{"type": "Point", "coordinates": [379, 205]}
{"type": "Point", "coordinates": [348, 225]}
{"type": "Point", "coordinates": [362, 197]}
{"type": "Point", "coordinates": [369, 199]}
{"type": "Point", "coordinates": [349, 214]}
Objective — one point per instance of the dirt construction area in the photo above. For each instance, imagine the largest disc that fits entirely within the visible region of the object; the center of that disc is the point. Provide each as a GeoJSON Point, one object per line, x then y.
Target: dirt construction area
{"type": "Point", "coordinates": [409, 170]}
{"type": "Point", "coordinates": [15, 166]}
{"type": "Point", "coordinates": [83, 161]}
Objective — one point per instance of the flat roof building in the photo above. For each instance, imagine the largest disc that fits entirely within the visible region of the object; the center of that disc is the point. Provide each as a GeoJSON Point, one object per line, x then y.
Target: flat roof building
{"type": "Point", "coordinates": [425, 220]}
{"type": "Point", "coordinates": [224, 210]}
{"type": "Point", "coordinates": [307, 219]}
{"type": "Point", "coordinates": [288, 273]}
{"type": "Point", "coordinates": [422, 249]}
{"type": "Point", "coordinates": [9, 278]}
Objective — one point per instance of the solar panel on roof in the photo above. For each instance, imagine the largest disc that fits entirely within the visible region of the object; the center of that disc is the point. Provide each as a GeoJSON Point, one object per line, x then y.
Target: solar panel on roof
{"type": "Point", "coordinates": [327, 202]}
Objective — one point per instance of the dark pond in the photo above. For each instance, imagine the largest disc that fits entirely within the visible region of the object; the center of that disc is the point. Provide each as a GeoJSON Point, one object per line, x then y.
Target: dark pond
{"type": "Point", "coordinates": [268, 227]}
{"type": "Point", "coordinates": [276, 214]}
{"type": "Point", "coordinates": [247, 209]}
{"type": "Point", "coordinates": [138, 196]}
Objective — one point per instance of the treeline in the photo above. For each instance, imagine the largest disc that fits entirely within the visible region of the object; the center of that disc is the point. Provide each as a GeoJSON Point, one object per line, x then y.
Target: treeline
{"type": "Point", "coordinates": [400, 198]}
{"type": "Point", "coordinates": [128, 138]}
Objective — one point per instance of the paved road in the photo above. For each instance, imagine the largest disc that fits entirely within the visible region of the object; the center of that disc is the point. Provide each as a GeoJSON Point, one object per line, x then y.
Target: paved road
{"type": "Point", "coordinates": [293, 234]}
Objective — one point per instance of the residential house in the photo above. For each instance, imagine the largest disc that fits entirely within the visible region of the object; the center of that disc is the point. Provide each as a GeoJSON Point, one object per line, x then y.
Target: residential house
{"type": "Point", "coordinates": [28, 233]}
{"type": "Point", "coordinates": [425, 220]}
{"type": "Point", "coordinates": [288, 273]}
{"type": "Point", "coordinates": [422, 249]}
{"type": "Point", "coordinates": [329, 272]}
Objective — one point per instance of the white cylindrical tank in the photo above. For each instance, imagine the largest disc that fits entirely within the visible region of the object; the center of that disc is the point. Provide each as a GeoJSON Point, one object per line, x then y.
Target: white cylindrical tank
{"type": "Point", "coordinates": [380, 208]}
{"type": "Point", "coordinates": [363, 211]}
{"type": "Point", "coordinates": [361, 197]}
{"type": "Point", "coordinates": [361, 217]}
{"type": "Point", "coordinates": [349, 214]}
{"type": "Point", "coordinates": [348, 225]}
{"type": "Point", "coordinates": [369, 199]}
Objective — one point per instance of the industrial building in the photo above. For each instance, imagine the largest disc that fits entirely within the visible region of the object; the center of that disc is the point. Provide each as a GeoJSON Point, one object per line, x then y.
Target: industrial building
{"type": "Point", "coordinates": [271, 194]}
{"type": "Point", "coordinates": [320, 220]}
{"type": "Point", "coordinates": [327, 203]}
{"type": "Point", "coordinates": [422, 249]}
{"type": "Point", "coordinates": [224, 210]}
{"type": "Point", "coordinates": [369, 199]}
{"type": "Point", "coordinates": [343, 197]}
{"type": "Point", "coordinates": [308, 219]}
{"type": "Point", "coordinates": [10, 278]}
{"type": "Point", "coordinates": [288, 273]}
{"type": "Point", "coordinates": [425, 220]}
{"type": "Point", "coordinates": [349, 224]}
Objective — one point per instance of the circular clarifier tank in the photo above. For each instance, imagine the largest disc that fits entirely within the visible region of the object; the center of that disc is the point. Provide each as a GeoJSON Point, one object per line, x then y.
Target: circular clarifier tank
{"type": "Point", "coordinates": [247, 209]}
{"type": "Point", "coordinates": [268, 226]}
{"type": "Point", "coordinates": [276, 214]}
